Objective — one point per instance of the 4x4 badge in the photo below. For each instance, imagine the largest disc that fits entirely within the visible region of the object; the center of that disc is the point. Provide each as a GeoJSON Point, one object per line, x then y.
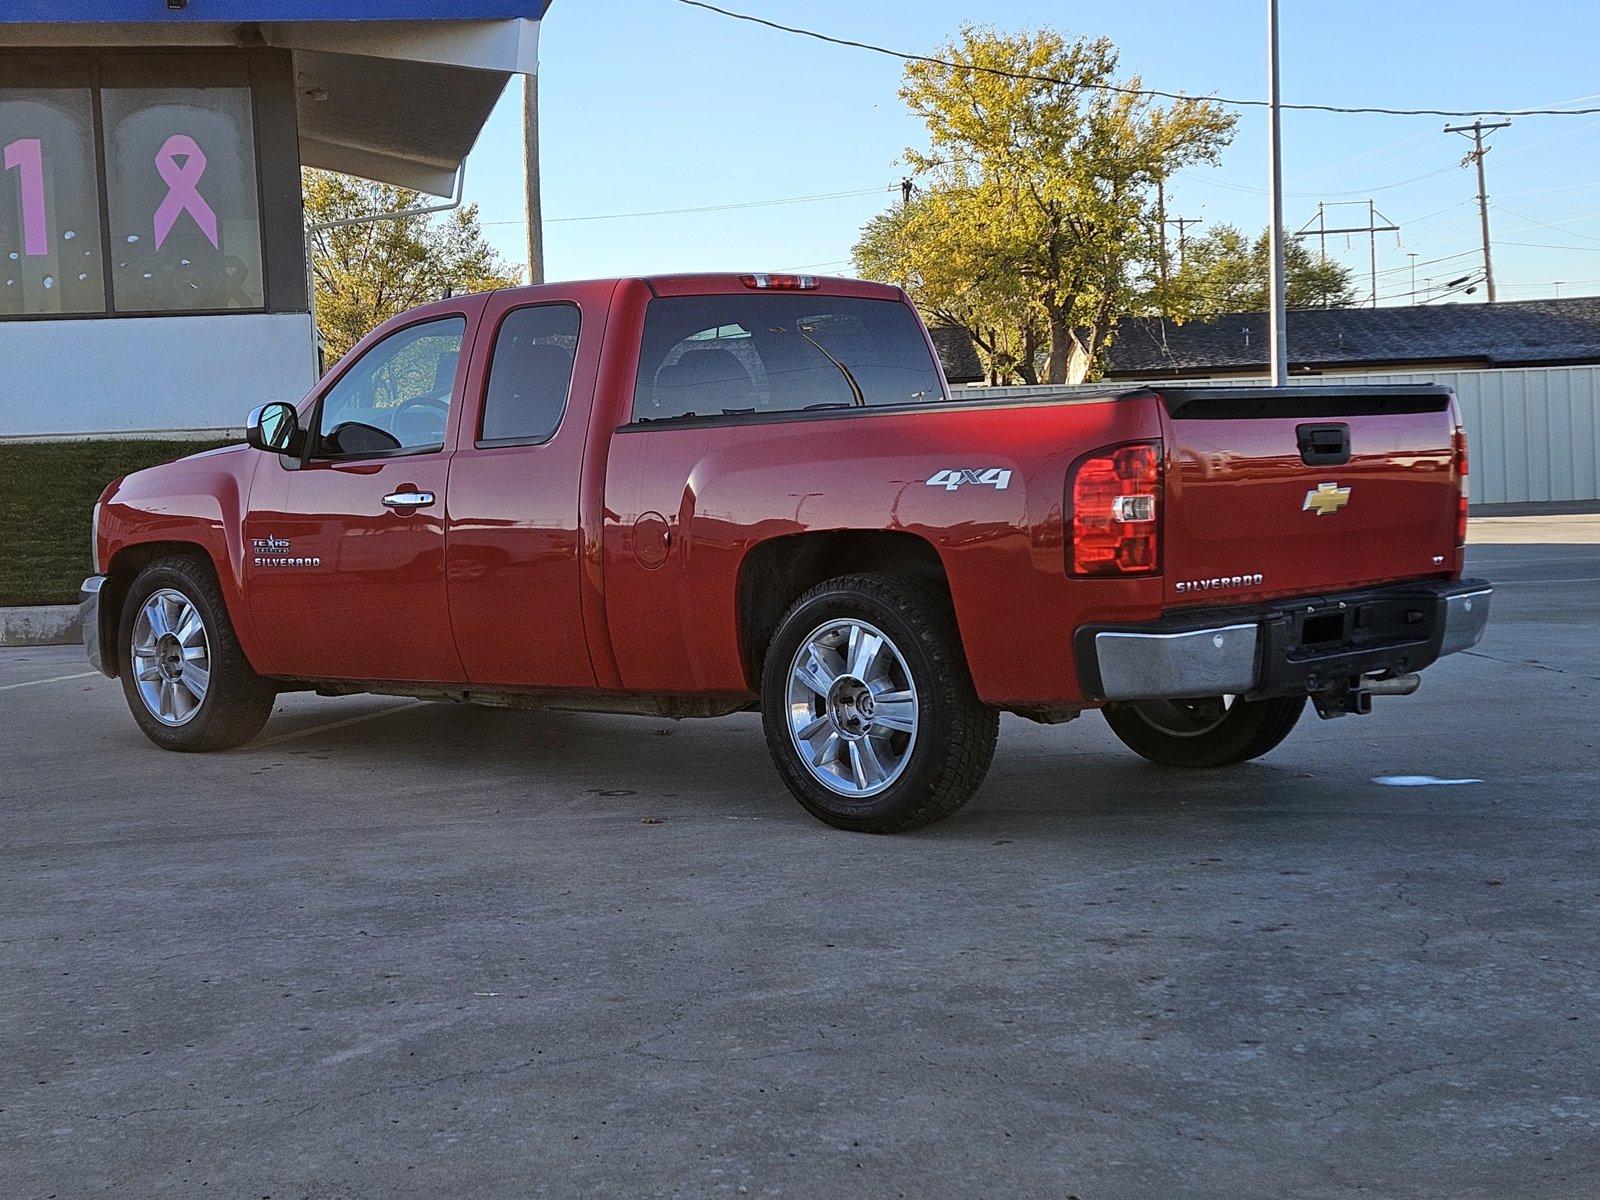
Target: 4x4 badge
{"type": "Point", "coordinates": [951, 478]}
{"type": "Point", "coordinates": [1326, 499]}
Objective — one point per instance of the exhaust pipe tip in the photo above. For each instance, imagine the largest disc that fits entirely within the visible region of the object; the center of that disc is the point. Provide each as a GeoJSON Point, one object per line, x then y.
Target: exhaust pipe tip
{"type": "Point", "coordinates": [1398, 685]}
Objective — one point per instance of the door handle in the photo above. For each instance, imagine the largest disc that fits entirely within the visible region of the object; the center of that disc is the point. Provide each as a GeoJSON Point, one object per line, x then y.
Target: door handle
{"type": "Point", "coordinates": [408, 499]}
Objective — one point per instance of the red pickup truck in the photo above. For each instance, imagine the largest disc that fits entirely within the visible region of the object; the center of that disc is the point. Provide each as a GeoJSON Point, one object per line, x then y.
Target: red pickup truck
{"type": "Point", "coordinates": [694, 495]}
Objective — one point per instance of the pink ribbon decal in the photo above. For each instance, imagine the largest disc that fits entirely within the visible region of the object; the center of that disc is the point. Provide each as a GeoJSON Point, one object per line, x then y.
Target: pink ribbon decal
{"type": "Point", "coordinates": [182, 182]}
{"type": "Point", "coordinates": [27, 157]}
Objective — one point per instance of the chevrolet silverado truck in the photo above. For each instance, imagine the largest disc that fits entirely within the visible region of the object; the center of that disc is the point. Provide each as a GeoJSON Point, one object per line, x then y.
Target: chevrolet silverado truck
{"type": "Point", "coordinates": [696, 495]}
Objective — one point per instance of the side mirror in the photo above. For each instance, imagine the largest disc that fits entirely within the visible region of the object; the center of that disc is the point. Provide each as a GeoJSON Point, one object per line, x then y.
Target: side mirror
{"type": "Point", "coordinates": [274, 428]}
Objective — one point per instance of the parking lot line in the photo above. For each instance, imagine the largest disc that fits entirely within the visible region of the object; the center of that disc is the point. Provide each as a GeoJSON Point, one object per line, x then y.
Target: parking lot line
{"type": "Point", "coordinates": [6, 687]}
{"type": "Point", "coordinates": [1543, 582]}
{"type": "Point", "coordinates": [331, 725]}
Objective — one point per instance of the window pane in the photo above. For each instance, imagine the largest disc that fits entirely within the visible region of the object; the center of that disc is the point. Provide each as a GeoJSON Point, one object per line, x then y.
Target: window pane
{"type": "Point", "coordinates": [530, 373]}
{"type": "Point", "coordinates": [181, 186]}
{"type": "Point", "coordinates": [723, 355]}
{"type": "Point", "coordinates": [49, 203]}
{"type": "Point", "coordinates": [397, 395]}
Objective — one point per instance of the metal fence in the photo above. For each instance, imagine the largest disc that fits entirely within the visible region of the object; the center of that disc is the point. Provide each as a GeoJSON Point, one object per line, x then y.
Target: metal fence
{"type": "Point", "coordinates": [1534, 432]}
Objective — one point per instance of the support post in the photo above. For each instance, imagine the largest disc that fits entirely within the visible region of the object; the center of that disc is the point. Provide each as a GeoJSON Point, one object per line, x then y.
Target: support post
{"type": "Point", "coordinates": [530, 167]}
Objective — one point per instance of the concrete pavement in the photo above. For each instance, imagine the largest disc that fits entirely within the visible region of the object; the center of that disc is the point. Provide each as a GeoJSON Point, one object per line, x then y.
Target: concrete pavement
{"type": "Point", "coordinates": [400, 949]}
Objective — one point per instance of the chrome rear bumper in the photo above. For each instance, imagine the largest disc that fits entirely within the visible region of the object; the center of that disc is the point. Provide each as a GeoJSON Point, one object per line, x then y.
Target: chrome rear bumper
{"type": "Point", "coordinates": [1145, 666]}
{"type": "Point", "coordinates": [1294, 647]}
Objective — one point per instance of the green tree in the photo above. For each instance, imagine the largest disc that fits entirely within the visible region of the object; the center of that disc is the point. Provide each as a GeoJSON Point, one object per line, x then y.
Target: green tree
{"type": "Point", "coordinates": [925, 247]}
{"type": "Point", "coordinates": [1038, 187]}
{"type": "Point", "coordinates": [1224, 272]}
{"type": "Point", "coordinates": [364, 274]}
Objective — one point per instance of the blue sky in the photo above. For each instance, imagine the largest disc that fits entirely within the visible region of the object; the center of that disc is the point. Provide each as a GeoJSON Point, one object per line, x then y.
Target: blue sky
{"type": "Point", "coordinates": [651, 104]}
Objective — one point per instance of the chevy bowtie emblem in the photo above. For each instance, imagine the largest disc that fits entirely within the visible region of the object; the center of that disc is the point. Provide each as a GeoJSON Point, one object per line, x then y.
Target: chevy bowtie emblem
{"type": "Point", "coordinates": [1326, 499]}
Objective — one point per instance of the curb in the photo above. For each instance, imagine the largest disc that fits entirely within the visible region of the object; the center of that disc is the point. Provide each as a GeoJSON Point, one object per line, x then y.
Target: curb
{"type": "Point", "coordinates": [40, 625]}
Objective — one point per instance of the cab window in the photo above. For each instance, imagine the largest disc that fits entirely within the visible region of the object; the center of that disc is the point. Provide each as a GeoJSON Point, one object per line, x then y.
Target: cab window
{"type": "Point", "coordinates": [724, 356]}
{"type": "Point", "coordinates": [529, 375]}
{"type": "Point", "coordinates": [396, 398]}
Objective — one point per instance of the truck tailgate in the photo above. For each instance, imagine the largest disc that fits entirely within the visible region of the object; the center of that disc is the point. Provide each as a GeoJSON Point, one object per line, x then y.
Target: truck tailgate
{"type": "Point", "coordinates": [1301, 490]}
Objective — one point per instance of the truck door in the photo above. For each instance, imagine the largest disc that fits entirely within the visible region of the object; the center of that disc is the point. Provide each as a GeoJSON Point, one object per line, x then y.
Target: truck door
{"type": "Point", "coordinates": [344, 554]}
{"type": "Point", "coordinates": [513, 543]}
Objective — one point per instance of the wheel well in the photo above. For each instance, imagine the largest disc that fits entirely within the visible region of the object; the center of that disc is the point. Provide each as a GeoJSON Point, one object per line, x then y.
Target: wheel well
{"type": "Point", "coordinates": [121, 571]}
{"type": "Point", "coordinates": [779, 571]}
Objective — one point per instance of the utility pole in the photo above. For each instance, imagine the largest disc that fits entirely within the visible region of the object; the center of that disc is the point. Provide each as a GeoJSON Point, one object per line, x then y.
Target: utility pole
{"type": "Point", "coordinates": [1372, 247]}
{"type": "Point", "coordinates": [1183, 224]}
{"type": "Point", "coordinates": [1276, 317]}
{"type": "Point", "coordinates": [1476, 131]}
{"type": "Point", "coordinates": [530, 167]}
{"type": "Point", "coordinates": [906, 187]}
{"type": "Point", "coordinates": [1412, 255]}
{"type": "Point", "coordinates": [1161, 224]}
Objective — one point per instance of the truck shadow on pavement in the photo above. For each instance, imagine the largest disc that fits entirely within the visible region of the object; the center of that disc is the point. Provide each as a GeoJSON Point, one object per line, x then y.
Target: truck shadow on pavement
{"type": "Point", "coordinates": [530, 761]}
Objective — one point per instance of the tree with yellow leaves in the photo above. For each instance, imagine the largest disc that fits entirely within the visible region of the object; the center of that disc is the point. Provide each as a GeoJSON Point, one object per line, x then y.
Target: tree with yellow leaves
{"type": "Point", "coordinates": [366, 273]}
{"type": "Point", "coordinates": [1034, 229]}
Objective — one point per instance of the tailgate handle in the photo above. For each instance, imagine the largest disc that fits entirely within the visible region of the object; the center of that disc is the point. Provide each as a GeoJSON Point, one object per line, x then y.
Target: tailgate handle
{"type": "Point", "coordinates": [1324, 445]}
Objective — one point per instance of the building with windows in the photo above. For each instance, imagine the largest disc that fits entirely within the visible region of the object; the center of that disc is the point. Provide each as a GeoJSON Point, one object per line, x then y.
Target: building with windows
{"type": "Point", "coordinates": [153, 271]}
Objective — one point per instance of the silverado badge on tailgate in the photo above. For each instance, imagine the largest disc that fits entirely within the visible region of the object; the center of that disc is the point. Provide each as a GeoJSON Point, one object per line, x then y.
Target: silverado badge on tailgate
{"type": "Point", "coordinates": [1326, 499]}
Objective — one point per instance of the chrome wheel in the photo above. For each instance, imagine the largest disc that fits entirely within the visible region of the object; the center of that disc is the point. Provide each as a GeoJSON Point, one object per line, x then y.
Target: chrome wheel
{"type": "Point", "coordinates": [1184, 718]}
{"type": "Point", "coordinates": [171, 657]}
{"type": "Point", "coordinates": [852, 708]}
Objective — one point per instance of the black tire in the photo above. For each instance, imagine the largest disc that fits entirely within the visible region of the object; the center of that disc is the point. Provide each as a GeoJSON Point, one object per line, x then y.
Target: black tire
{"type": "Point", "coordinates": [237, 701]}
{"type": "Point", "coordinates": [1185, 734]}
{"type": "Point", "coordinates": [955, 732]}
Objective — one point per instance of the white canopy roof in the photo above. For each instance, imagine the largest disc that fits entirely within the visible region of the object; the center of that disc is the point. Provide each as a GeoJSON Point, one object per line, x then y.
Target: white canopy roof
{"type": "Point", "coordinates": [399, 101]}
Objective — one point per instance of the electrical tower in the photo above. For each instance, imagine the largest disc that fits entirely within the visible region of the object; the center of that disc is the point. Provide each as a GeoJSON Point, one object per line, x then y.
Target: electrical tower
{"type": "Point", "coordinates": [1476, 131]}
{"type": "Point", "coordinates": [1372, 229]}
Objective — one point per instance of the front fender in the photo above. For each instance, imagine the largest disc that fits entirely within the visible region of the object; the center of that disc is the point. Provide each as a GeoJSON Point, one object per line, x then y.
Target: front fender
{"type": "Point", "coordinates": [193, 504]}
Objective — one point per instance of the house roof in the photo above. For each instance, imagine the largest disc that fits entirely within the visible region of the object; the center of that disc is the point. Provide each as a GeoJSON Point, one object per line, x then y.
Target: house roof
{"type": "Point", "coordinates": [1516, 333]}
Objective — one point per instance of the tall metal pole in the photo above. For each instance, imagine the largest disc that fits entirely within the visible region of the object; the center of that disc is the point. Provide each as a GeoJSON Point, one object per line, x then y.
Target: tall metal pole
{"type": "Point", "coordinates": [530, 166]}
{"type": "Point", "coordinates": [1276, 327]}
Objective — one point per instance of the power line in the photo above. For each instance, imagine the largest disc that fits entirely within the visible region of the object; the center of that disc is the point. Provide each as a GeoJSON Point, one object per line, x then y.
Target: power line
{"type": "Point", "coordinates": [1556, 228]}
{"type": "Point", "coordinates": [1120, 89]}
{"type": "Point", "coordinates": [1468, 284]}
{"type": "Point", "coordinates": [1427, 262]}
{"type": "Point", "coordinates": [1548, 246]}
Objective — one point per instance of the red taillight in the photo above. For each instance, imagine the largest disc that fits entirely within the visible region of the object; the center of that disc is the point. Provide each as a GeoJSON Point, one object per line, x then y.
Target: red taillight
{"type": "Point", "coordinates": [1114, 494]}
{"type": "Point", "coordinates": [780, 283]}
{"type": "Point", "coordinates": [1461, 479]}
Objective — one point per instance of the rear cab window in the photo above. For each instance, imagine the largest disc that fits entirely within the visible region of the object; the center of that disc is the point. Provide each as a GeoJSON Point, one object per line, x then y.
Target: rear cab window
{"type": "Point", "coordinates": [530, 375]}
{"type": "Point", "coordinates": [738, 355]}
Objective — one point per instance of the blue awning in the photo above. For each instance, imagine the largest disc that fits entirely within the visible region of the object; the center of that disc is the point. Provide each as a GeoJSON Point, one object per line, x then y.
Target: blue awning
{"type": "Point", "coordinates": [157, 11]}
